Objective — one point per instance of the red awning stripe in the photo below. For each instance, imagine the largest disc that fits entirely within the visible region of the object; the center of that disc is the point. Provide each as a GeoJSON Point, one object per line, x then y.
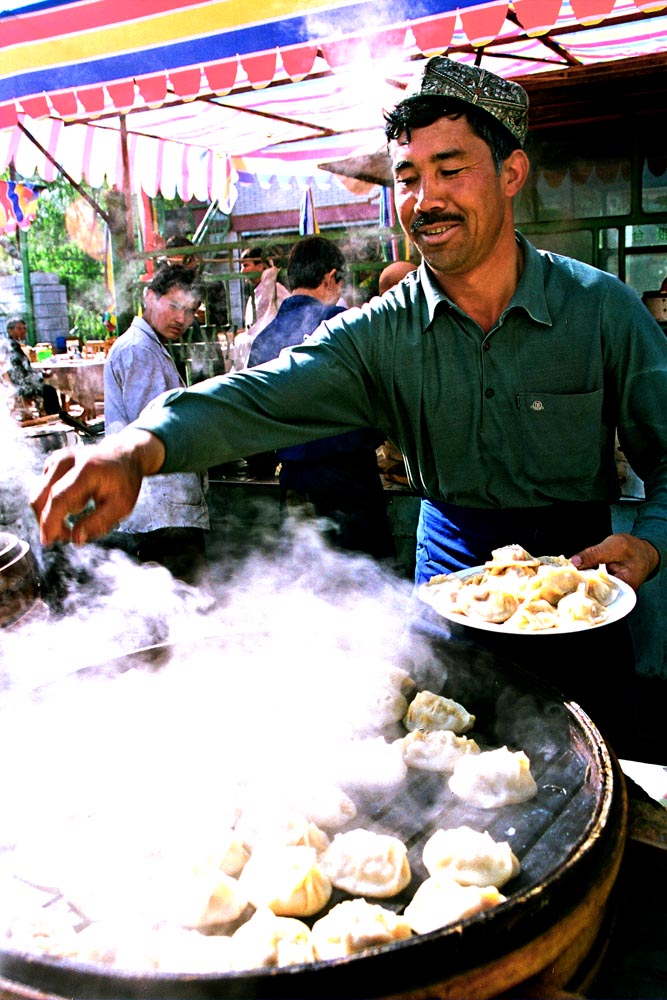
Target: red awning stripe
{"type": "Point", "coordinates": [537, 16]}
{"type": "Point", "coordinates": [482, 24]}
{"type": "Point", "coordinates": [434, 35]}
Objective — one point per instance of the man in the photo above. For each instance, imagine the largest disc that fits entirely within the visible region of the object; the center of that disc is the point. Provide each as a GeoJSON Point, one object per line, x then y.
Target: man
{"type": "Point", "coordinates": [501, 372]}
{"type": "Point", "coordinates": [337, 476]}
{"type": "Point", "coordinates": [266, 295]}
{"type": "Point", "coordinates": [17, 330]}
{"type": "Point", "coordinates": [169, 521]}
{"type": "Point", "coordinates": [30, 390]}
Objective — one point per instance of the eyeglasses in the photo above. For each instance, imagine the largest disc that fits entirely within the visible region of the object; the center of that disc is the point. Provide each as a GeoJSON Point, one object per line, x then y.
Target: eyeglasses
{"type": "Point", "coordinates": [339, 275]}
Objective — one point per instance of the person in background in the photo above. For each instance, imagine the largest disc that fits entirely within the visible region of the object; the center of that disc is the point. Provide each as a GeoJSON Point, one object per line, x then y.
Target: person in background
{"type": "Point", "coordinates": [192, 261]}
{"type": "Point", "coordinates": [30, 390]}
{"type": "Point", "coordinates": [390, 460]}
{"type": "Point", "coordinates": [393, 273]}
{"type": "Point", "coordinates": [263, 303]}
{"type": "Point", "coordinates": [524, 366]}
{"type": "Point", "coordinates": [338, 477]}
{"type": "Point", "coordinates": [169, 522]}
{"type": "Point", "coordinates": [17, 330]}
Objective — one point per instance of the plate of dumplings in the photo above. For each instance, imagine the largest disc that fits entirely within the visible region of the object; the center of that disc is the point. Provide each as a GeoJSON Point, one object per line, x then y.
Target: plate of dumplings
{"type": "Point", "coordinates": [515, 592]}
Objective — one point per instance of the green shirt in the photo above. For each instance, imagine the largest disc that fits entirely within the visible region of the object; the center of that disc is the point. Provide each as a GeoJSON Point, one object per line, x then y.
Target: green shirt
{"type": "Point", "coordinates": [523, 416]}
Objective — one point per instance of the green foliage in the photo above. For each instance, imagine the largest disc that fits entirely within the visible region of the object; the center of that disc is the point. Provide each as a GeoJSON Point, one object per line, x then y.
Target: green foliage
{"type": "Point", "coordinates": [50, 249]}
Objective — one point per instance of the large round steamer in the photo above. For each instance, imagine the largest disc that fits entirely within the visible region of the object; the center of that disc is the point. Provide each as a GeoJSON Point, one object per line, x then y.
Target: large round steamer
{"type": "Point", "coordinates": [569, 839]}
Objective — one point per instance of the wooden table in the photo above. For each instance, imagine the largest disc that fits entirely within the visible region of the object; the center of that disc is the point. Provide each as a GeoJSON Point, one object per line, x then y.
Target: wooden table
{"type": "Point", "coordinates": [78, 381]}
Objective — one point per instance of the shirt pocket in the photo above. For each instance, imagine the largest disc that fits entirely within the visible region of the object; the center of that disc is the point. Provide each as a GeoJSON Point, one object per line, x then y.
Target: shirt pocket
{"type": "Point", "coordinates": [182, 489]}
{"type": "Point", "coordinates": [562, 436]}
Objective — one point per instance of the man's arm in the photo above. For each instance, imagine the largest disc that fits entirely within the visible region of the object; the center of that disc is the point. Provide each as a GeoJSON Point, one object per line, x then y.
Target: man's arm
{"type": "Point", "coordinates": [85, 492]}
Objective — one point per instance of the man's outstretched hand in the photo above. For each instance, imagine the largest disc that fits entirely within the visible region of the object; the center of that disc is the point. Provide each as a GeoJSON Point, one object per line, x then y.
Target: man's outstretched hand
{"type": "Point", "coordinates": [84, 492]}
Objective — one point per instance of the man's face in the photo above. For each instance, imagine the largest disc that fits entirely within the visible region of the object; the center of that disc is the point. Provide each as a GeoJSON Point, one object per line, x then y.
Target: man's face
{"type": "Point", "coordinates": [450, 201]}
{"type": "Point", "coordinates": [19, 332]}
{"type": "Point", "coordinates": [250, 265]}
{"type": "Point", "coordinates": [170, 314]}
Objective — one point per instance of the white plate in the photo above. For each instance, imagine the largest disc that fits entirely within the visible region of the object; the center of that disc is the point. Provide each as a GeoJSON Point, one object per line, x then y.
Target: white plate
{"type": "Point", "coordinates": [622, 605]}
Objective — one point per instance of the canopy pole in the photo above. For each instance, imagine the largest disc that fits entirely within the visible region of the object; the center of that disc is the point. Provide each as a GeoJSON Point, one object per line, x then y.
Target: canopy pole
{"type": "Point", "coordinates": [127, 189]}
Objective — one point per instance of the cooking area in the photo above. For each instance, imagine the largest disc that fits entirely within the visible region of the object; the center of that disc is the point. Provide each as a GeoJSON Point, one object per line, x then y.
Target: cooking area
{"type": "Point", "coordinates": [164, 732]}
{"type": "Point", "coordinates": [332, 656]}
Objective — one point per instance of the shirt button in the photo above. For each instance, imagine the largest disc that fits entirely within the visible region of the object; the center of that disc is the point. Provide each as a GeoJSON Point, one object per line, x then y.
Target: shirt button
{"type": "Point", "coordinates": [486, 346]}
{"type": "Point", "coordinates": [489, 393]}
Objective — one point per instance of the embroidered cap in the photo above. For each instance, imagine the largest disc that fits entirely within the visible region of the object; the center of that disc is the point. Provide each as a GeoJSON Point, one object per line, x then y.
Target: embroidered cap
{"type": "Point", "coordinates": [506, 101]}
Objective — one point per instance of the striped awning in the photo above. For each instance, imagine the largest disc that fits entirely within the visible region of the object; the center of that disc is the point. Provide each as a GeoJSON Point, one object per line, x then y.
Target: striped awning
{"type": "Point", "coordinates": [204, 89]}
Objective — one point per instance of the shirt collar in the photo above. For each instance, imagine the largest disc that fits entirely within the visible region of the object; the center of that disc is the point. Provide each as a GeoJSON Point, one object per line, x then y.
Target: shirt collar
{"type": "Point", "coordinates": [529, 295]}
{"type": "Point", "coordinates": [146, 328]}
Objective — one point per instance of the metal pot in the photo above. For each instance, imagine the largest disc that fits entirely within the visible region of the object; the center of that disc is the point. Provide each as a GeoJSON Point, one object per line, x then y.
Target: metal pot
{"type": "Point", "coordinates": [569, 839]}
{"type": "Point", "coordinates": [19, 585]}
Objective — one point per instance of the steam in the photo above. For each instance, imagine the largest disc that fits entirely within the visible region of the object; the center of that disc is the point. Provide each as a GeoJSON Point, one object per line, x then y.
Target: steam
{"type": "Point", "coordinates": [268, 691]}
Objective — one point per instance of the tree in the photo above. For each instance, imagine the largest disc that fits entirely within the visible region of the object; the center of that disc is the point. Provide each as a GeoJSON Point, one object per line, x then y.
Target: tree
{"type": "Point", "coordinates": [51, 249]}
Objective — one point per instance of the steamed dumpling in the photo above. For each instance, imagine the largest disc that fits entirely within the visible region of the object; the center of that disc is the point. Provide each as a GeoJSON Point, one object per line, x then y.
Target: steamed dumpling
{"type": "Point", "coordinates": [271, 824]}
{"type": "Point", "coordinates": [493, 778]}
{"type": "Point", "coordinates": [437, 750]}
{"type": "Point", "coordinates": [510, 555]}
{"type": "Point", "coordinates": [354, 925]}
{"type": "Point", "coordinates": [270, 941]}
{"type": "Point", "coordinates": [430, 711]}
{"type": "Point", "coordinates": [288, 880]}
{"type": "Point", "coordinates": [470, 857]}
{"type": "Point", "coordinates": [166, 949]}
{"type": "Point", "coordinates": [441, 901]}
{"type": "Point", "coordinates": [580, 608]}
{"type": "Point", "coordinates": [534, 616]}
{"type": "Point", "coordinates": [553, 582]}
{"type": "Point", "coordinates": [600, 586]}
{"type": "Point", "coordinates": [489, 601]}
{"type": "Point", "coordinates": [365, 863]}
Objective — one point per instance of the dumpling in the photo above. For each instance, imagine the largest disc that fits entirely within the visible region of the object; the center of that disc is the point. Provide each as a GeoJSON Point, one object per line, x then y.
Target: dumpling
{"type": "Point", "coordinates": [510, 555]}
{"type": "Point", "coordinates": [364, 863]}
{"type": "Point", "coordinates": [44, 933]}
{"type": "Point", "coordinates": [555, 581]}
{"type": "Point", "coordinates": [441, 901]}
{"type": "Point", "coordinates": [353, 926]}
{"type": "Point", "coordinates": [489, 601]}
{"type": "Point", "coordinates": [442, 592]}
{"type": "Point", "coordinates": [327, 806]}
{"type": "Point", "coordinates": [437, 750]}
{"type": "Point", "coordinates": [430, 711]}
{"type": "Point", "coordinates": [199, 899]}
{"type": "Point", "coordinates": [390, 697]}
{"type": "Point", "coordinates": [534, 616]}
{"type": "Point", "coordinates": [371, 764]}
{"type": "Point", "coordinates": [600, 586]}
{"type": "Point", "coordinates": [167, 949]}
{"type": "Point", "coordinates": [470, 857]}
{"type": "Point", "coordinates": [288, 880]}
{"type": "Point", "coordinates": [493, 778]}
{"type": "Point", "coordinates": [580, 608]}
{"type": "Point", "coordinates": [269, 823]}
{"type": "Point", "coordinates": [270, 941]}
{"type": "Point", "coordinates": [233, 855]}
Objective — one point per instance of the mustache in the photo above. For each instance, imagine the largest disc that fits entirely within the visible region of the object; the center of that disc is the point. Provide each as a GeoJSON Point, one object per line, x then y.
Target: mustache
{"type": "Point", "coordinates": [433, 219]}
